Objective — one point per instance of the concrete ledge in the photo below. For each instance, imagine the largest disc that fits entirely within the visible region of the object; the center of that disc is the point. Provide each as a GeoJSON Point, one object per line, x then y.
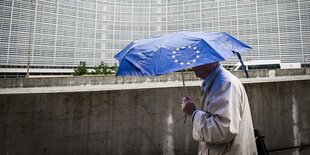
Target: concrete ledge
{"type": "Point", "coordinates": [146, 85]}
{"type": "Point", "coordinates": [111, 79]}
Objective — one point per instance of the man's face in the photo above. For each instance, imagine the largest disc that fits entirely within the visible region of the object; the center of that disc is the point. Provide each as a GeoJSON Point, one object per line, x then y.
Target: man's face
{"type": "Point", "coordinates": [204, 70]}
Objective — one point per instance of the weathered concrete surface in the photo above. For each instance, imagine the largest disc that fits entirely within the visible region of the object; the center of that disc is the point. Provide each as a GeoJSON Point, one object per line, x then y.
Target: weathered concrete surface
{"type": "Point", "coordinates": [289, 72]}
{"type": "Point", "coordinates": [111, 79]}
{"type": "Point", "coordinates": [281, 110]}
{"type": "Point", "coordinates": [139, 118]}
{"type": "Point", "coordinates": [90, 80]}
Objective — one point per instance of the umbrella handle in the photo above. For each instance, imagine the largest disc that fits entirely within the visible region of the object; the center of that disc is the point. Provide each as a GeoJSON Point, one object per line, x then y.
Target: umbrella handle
{"type": "Point", "coordinates": [182, 73]}
{"type": "Point", "coordinates": [242, 64]}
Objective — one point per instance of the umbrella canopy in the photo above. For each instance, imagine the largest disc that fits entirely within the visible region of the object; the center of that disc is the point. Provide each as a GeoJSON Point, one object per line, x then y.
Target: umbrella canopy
{"type": "Point", "coordinates": [176, 51]}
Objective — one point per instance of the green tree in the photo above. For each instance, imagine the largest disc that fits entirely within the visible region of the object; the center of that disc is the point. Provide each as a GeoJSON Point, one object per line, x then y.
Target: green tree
{"type": "Point", "coordinates": [81, 69]}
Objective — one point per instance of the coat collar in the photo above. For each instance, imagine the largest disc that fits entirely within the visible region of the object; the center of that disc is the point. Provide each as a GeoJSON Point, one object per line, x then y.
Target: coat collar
{"type": "Point", "coordinates": [207, 82]}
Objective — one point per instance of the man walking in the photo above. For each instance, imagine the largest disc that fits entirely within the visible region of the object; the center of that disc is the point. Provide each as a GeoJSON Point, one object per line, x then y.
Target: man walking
{"type": "Point", "coordinates": [223, 124]}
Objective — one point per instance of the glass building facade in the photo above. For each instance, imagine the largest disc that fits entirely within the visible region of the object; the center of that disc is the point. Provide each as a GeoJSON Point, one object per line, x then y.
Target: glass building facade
{"type": "Point", "coordinates": [61, 33]}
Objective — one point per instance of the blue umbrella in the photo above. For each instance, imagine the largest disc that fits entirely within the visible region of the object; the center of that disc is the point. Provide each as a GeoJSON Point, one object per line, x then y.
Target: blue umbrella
{"type": "Point", "coordinates": [176, 51]}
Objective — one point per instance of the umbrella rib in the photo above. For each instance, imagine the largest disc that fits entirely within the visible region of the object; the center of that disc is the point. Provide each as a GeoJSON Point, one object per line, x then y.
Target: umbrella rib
{"type": "Point", "coordinates": [125, 54]}
{"type": "Point", "coordinates": [133, 64]}
{"type": "Point", "coordinates": [213, 50]}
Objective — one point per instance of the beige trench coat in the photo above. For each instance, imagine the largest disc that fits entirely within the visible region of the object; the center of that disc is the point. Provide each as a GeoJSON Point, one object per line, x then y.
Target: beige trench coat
{"type": "Point", "coordinates": [224, 123]}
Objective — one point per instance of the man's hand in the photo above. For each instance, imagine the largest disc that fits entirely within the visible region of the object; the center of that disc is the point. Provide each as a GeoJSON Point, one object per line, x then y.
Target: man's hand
{"type": "Point", "coordinates": [188, 106]}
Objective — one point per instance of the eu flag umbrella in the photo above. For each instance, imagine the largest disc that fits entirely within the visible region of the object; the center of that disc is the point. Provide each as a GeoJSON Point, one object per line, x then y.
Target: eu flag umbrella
{"type": "Point", "coordinates": [176, 51]}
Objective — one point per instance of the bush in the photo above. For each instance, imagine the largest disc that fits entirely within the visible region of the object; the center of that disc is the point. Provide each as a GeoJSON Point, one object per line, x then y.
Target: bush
{"type": "Point", "coordinates": [81, 69]}
{"type": "Point", "coordinates": [102, 69]}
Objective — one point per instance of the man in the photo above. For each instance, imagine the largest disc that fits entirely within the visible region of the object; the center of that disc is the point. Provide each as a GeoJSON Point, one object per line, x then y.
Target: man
{"type": "Point", "coordinates": [223, 125]}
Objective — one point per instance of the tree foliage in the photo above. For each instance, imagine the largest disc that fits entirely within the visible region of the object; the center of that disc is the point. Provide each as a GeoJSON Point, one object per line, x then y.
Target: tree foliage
{"type": "Point", "coordinates": [81, 69]}
{"type": "Point", "coordinates": [102, 69]}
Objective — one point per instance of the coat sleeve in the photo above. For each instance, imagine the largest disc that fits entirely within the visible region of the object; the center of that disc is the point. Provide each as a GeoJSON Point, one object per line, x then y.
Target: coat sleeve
{"type": "Point", "coordinates": [220, 122]}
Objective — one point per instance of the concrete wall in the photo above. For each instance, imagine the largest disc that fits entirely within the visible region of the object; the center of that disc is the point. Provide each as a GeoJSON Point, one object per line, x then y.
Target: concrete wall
{"type": "Point", "coordinates": [281, 110]}
{"type": "Point", "coordinates": [89, 80]}
{"type": "Point", "coordinates": [111, 79]}
{"type": "Point", "coordinates": [289, 72]}
{"type": "Point", "coordinates": [141, 121]}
